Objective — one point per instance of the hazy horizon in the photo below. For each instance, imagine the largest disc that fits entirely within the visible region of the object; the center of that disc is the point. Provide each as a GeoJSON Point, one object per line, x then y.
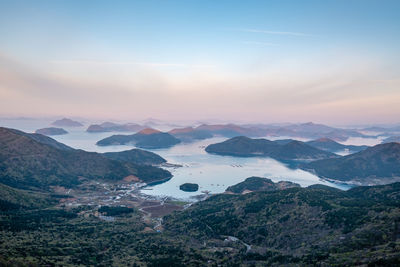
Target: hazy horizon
{"type": "Point", "coordinates": [189, 122]}
{"type": "Point", "coordinates": [331, 62]}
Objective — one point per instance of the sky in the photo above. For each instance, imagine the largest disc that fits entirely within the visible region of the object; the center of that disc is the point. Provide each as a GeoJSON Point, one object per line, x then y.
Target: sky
{"type": "Point", "coordinates": [334, 62]}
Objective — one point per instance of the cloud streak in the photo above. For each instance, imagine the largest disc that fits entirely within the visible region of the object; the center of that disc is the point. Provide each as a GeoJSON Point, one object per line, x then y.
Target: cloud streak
{"type": "Point", "coordinates": [300, 34]}
{"type": "Point", "coordinates": [122, 63]}
{"type": "Point", "coordinates": [259, 43]}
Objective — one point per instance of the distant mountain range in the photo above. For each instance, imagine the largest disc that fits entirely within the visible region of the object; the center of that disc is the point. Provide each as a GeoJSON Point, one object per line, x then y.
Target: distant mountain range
{"type": "Point", "coordinates": [190, 134]}
{"type": "Point", "coordinates": [307, 130]}
{"type": "Point", "coordinates": [51, 131]}
{"type": "Point", "coordinates": [247, 147]}
{"type": "Point", "coordinates": [146, 138]}
{"type": "Point", "coordinates": [375, 165]}
{"type": "Point", "coordinates": [67, 123]}
{"type": "Point", "coordinates": [204, 131]}
{"type": "Point", "coordinates": [31, 161]}
{"type": "Point", "coordinates": [382, 129]}
{"type": "Point", "coordinates": [114, 127]}
{"type": "Point", "coordinates": [231, 130]}
{"type": "Point", "coordinates": [325, 134]}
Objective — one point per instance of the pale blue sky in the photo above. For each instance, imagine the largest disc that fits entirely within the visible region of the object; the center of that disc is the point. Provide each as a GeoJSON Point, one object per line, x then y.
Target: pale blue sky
{"type": "Point", "coordinates": [328, 61]}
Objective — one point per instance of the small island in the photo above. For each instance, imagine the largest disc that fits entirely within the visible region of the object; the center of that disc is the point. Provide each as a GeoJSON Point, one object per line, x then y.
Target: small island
{"type": "Point", "coordinates": [51, 131]}
{"type": "Point", "coordinates": [147, 138]}
{"type": "Point", "coordinates": [188, 187]}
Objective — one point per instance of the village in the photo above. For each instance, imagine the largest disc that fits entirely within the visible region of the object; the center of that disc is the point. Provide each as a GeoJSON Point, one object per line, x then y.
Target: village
{"type": "Point", "coordinates": [96, 194]}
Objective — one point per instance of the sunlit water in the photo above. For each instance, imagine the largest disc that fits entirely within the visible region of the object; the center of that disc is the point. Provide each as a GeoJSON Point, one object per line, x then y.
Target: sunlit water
{"type": "Point", "coordinates": [212, 172]}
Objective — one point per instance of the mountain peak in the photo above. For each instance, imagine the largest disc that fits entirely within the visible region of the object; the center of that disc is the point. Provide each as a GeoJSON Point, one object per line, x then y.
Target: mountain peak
{"type": "Point", "coordinates": [148, 131]}
{"type": "Point", "coordinates": [181, 130]}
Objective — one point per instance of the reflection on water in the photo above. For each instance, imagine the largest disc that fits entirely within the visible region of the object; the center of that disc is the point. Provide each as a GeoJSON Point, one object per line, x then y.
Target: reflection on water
{"type": "Point", "coordinates": [212, 172]}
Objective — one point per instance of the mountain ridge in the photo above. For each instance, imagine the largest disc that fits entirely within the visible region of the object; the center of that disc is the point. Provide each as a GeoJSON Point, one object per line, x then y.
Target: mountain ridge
{"type": "Point", "coordinates": [150, 139]}
{"type": "Point", "coordinates": [26, 163]}
{"type": "Point", "coordinates": [380, 162]}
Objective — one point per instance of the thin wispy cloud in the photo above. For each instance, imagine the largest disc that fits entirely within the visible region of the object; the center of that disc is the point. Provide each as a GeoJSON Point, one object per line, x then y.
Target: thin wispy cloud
{"type": "Point", "coordinates": [275, 32]}
{"type": "Point", "coordinates": [293, 92]}
{"type": "Point", "coordinates": [151, 64]}
{"type": "Point", "coordinates": [259, 43]}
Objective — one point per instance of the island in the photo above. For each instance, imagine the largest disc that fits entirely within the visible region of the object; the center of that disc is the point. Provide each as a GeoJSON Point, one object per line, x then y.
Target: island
{"type": "Point", "coordinates": [51, 131]}
{"type": "Point", "coordinates": [65, 122]}
{"type": "Point", "coordinates": [242, 146]}
{"type": "Point", "coordinates": [188, 187]}
{"type": "Point", "coordinates": [147, 138]}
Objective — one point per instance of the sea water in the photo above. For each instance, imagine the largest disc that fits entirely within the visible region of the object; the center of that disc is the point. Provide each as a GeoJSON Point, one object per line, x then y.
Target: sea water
{"type": "Point", "coordinates": [212, 173]}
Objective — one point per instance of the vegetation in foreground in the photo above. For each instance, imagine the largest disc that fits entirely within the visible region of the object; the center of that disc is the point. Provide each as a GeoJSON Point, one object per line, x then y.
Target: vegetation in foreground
{"type": "Point", "coordinates": [296, 226]}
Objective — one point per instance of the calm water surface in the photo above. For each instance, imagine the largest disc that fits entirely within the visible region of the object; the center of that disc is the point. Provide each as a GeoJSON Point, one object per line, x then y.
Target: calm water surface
{"type": "Point", "coordinates": [212, 172]}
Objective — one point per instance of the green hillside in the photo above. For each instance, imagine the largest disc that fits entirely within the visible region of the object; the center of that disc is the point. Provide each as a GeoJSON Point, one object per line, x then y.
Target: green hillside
{"type": "Point", "coordinates": [26, 163]}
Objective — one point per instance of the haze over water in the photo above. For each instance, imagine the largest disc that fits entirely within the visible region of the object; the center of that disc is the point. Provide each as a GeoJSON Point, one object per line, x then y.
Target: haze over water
{"type": "Point", "coordinates": [213, 173]}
